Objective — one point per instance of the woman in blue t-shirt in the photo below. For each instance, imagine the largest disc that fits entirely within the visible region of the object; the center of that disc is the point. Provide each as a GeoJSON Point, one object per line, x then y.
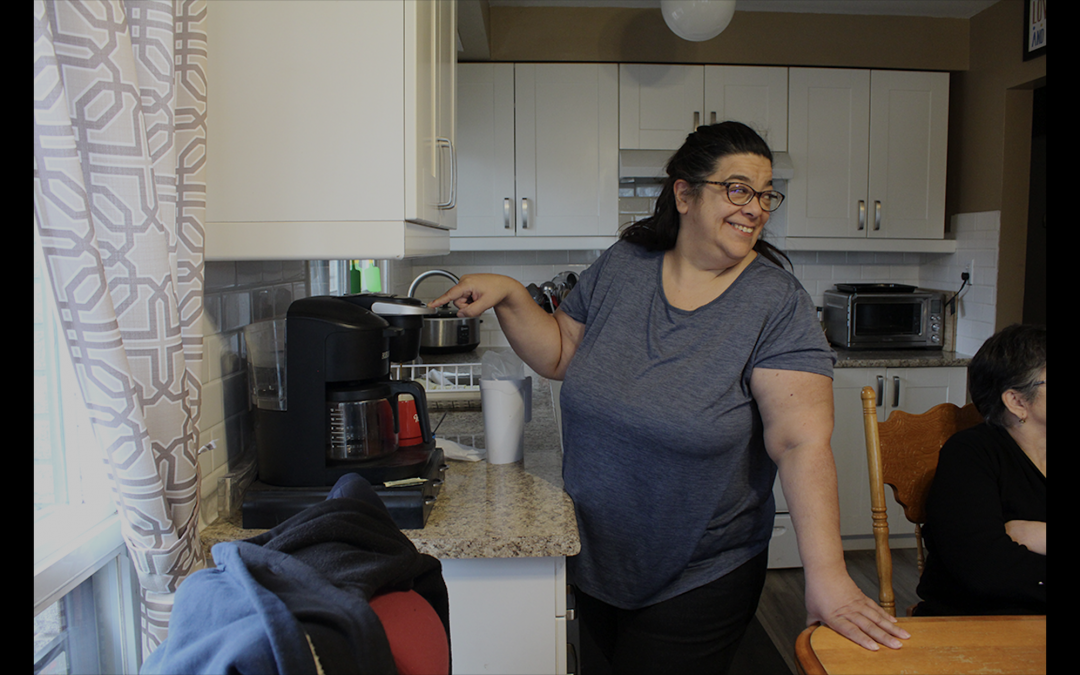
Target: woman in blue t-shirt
{"type": "Point", "coordinates": [694, 369]}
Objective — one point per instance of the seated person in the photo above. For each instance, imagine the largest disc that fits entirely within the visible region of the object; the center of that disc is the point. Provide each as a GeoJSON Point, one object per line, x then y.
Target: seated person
{"type": "Point", "coordinates": [986, 512]}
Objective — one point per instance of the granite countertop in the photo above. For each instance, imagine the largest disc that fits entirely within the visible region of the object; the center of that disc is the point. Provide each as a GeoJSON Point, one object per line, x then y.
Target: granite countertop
{"type": "Point", "coordinates": [483, 510]}
{"type": "Point", "coordinates": [898, 358]}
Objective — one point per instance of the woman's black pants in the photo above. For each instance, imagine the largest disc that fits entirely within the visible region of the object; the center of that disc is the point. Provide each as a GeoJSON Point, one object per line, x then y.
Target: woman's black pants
{"type": "Point", "coordinates": [696, 632]}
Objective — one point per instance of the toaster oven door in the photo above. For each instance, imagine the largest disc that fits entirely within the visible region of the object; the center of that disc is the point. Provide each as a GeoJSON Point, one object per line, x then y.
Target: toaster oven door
{"type": "Point", "coordinates": [888, 322]}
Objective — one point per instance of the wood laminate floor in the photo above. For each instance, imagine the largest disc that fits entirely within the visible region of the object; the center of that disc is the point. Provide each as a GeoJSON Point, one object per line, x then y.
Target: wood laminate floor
{"type": "Point", "coordinates": [782, 611]}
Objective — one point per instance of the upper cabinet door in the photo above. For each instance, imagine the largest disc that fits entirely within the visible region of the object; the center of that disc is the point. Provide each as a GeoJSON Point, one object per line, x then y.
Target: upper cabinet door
{"type": "Point", "coordinates": [430, 116]}
{"type": "Point", "coordinates": [869, 150]}
{"type": "Point", "coordinates": [755, 96]}
{"type": "Point", "coordinates": [829, 141]}
{"type": "Point", "coordinates": [305, 128]}
{"type": "Point", "coordinates": [567, 149]}
{"type": "Point", "coordinates": [659, 105]}
{"type": "Point", "coordinates": [486, 204]}
{"type": "Point", "coordinates": [909, 118]}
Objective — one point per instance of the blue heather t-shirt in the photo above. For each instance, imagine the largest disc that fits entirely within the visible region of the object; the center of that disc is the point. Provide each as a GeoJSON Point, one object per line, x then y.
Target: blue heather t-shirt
{"type": "Point", "coordinates": [664, 455]}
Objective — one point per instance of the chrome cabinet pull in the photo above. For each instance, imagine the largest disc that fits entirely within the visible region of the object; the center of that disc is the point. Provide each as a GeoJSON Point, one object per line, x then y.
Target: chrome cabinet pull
{"type": "Point", "coordinates": [452, 201]}
{"type": "Point", "coordinates": [508, 213]}
{"type": "Point", "coordinates": [880, 390]}
{"type": "Point", "coordinates": [862, 215]}
{"type": "Point", "coordinates": [877, 215]}
{"type": "Point", "coordinates": [712, 117]}
{"type": "Point", "coordinates": [524, 213]}
{"type": "Point", "coordinates": [895, 392]}
{"type": "Point", "coordinates": [697, 120]}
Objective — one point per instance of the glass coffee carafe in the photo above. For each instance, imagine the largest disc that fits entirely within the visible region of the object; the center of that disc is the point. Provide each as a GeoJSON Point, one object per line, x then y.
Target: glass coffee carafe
{"type": "Point", "coordinates": [361, 423]}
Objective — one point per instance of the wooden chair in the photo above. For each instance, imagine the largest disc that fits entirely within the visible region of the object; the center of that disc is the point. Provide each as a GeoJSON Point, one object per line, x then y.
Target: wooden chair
{"type": "Point", "coordinates": [902, 452]}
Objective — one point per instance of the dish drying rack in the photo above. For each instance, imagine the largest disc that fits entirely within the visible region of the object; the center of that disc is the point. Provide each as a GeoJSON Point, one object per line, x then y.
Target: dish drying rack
{"type": "Point", "coordinates": [448, 386]}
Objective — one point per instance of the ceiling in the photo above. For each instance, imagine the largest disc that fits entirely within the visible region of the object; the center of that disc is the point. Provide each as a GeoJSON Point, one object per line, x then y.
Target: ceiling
{"type": "Point", "coordinates": [958, 9]}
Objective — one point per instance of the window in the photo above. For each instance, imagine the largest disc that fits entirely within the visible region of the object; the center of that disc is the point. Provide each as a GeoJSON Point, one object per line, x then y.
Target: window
{"type": "Point", "coordinates": [85, 603]}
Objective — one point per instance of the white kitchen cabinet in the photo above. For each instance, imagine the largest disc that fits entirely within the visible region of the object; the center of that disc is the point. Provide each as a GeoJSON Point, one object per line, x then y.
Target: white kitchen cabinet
{"type": "Point", "coordinates": [332, 129]}
{"type": "Point", "coordinates": [659, 104]}
{"type": "Point", "coordinates": [868, 148]}
{"type": "Point", "coordinates": [537, 156]}
{"type": "Point", "coordinates": [507, 615]}
{"type": "Point", "coordinates": [913, 390]}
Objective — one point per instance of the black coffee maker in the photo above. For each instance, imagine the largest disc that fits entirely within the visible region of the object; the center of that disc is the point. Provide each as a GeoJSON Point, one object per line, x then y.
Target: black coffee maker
{"type": "Point", "coordinates": [326, 406]}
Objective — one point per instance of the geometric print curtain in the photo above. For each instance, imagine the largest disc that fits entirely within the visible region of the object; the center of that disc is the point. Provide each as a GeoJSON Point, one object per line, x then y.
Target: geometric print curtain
{"type": "Point", "coordinates": [119, 193]}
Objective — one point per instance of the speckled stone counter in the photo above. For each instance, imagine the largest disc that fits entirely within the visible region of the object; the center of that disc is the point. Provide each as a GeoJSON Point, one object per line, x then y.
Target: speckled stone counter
{"type": "Point", "coordinates": [899, 358]}
{"type": "Point", "coordinates": [486, 511]}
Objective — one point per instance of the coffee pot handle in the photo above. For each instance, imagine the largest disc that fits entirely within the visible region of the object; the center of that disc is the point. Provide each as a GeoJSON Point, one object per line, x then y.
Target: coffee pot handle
{"type": "Point", "coordinates": [398, 387]}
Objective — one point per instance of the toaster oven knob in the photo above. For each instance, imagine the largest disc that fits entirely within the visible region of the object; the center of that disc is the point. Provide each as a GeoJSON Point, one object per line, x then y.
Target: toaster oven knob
{"type": "Point", "coordinates": [935, 338]}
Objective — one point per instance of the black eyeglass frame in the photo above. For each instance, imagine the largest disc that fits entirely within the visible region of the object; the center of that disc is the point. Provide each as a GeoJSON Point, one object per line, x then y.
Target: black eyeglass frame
{"type": "Point", "coordinates": [727, 185]}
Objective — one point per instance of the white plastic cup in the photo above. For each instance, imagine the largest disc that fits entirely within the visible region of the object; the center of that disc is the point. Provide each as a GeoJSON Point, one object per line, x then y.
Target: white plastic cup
{"type": "Point", "coordinates": [507, 406]}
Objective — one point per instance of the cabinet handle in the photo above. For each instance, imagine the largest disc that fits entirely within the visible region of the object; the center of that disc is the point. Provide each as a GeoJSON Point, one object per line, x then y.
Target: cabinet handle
{"type": "Point", "coordinates": [697, 120]}
{"type": "Point", "coordinates": [452, 201]}
{"type": "Point", "coordinates": [895, 392]}
{"type": "Point", "coordinates": [862, 218]}
{"type": "Point", "coordinates": [877, 215]}
{"type": "Point", "coordinates": [524, 213]}
{"type": "Point", "coordinates": [712, 117]}
{"type": "Point", "coordinates": [880, 390]}
{"type": "Point", "coordinates": [508, 211]}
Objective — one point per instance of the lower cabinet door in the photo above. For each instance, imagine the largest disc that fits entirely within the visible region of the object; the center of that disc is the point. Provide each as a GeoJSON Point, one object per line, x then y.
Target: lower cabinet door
{"type": "Point", "coordinates": [505, 615]}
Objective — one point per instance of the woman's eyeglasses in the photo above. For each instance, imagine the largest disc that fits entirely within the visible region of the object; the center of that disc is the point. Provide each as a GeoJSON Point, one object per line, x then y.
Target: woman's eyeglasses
{"type": "Point", "coordinates": [740, 194]}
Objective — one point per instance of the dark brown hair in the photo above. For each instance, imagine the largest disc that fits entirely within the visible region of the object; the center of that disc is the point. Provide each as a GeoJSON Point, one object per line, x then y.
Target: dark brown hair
{"type": "Point", "coordinates": [1012, 358]}
{"type": "Point", "coordinates": [694, 162]}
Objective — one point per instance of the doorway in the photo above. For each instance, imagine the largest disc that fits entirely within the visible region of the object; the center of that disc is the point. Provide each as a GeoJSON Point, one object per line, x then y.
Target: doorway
{"type": "Point", "coordinates": [1035, 266]}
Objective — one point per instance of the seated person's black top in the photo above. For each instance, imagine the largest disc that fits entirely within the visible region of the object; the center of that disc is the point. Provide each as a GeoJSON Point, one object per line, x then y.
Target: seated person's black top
{"type": "Point", "coordinates": [983, 480]}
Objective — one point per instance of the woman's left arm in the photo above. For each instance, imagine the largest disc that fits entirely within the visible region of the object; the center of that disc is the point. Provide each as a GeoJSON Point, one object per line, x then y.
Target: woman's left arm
{"type": "Point", "coordinates": [797, 412]}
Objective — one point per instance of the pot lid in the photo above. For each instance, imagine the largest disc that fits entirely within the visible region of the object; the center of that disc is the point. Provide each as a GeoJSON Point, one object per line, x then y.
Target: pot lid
{"type": "Point", "coordinates": [384, 304]}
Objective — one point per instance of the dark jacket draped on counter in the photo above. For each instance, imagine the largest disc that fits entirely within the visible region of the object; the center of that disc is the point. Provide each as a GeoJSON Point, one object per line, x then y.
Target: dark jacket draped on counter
{"type": "Point", "coordinates": [303, 586]}
{"type": "Point", "coordinates": [983, 480]}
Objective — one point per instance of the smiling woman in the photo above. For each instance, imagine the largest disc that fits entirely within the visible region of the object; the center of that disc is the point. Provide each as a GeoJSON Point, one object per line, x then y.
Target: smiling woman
{"type": "Point", "coordinates": [690, 308]}
{"type": "Point", "coordinates": [693, 168]}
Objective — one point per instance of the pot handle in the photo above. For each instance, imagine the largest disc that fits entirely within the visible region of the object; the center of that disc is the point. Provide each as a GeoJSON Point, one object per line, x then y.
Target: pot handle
{"type": "Point", "coordinates": [398, 387]}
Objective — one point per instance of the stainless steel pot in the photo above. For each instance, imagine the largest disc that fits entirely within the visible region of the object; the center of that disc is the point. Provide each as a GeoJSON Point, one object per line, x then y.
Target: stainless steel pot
{"type": "Point", "coordinates": [445, 332]}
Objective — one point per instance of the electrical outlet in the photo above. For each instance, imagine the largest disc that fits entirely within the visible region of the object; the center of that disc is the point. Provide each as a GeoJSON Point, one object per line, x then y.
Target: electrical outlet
{"type": "Point", "coordinates": [969, 270]}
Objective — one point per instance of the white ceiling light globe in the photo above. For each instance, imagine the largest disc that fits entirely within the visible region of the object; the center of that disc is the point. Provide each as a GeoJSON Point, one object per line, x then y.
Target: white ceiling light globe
{"type": "Point", "coordinates": [697, 20]}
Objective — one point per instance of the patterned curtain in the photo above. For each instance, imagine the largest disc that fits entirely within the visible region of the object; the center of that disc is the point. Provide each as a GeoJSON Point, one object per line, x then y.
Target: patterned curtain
{"type": "Point", "coordinates": [119, 191]}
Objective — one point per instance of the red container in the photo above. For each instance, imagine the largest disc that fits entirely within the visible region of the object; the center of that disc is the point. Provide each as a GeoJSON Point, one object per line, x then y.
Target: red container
{"type": "Point", "coordinates": [409, 422]}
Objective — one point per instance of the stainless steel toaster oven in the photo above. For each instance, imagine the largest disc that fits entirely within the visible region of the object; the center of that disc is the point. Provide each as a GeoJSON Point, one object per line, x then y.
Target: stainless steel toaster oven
{"type": "Point", "coordinates": [884, 316]}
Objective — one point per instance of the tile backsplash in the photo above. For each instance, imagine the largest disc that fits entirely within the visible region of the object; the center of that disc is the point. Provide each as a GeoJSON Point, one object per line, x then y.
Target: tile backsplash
{"type": "Point", "coordinates": [235, 294]}
{"type": "Point", "coordinates": [238, 293]}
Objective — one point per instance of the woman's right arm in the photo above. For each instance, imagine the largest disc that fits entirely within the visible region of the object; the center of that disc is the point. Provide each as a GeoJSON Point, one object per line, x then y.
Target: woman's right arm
{"type": "Point", "coordinates": [544, 341]}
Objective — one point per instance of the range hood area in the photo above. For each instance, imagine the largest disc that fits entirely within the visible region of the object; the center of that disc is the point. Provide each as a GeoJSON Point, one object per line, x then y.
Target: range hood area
{"type": "Point", "coordinates": [650, 164]}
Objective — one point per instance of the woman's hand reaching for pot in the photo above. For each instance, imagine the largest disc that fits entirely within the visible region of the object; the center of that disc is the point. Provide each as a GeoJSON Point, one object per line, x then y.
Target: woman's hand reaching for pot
{"type": "Point", "coordinates": [544, 341]}
{"type": "Point", "coordinates": [474, 294]}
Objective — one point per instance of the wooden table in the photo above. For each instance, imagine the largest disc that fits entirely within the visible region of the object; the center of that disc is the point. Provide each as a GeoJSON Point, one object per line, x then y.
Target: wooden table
{"type": "Point", "coordinates": [953, 645]}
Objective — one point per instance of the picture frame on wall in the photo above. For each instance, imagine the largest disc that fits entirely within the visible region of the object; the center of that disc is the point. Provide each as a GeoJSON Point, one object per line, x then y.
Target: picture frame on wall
{"type": "Point", "coordinates": [1034, 28]}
